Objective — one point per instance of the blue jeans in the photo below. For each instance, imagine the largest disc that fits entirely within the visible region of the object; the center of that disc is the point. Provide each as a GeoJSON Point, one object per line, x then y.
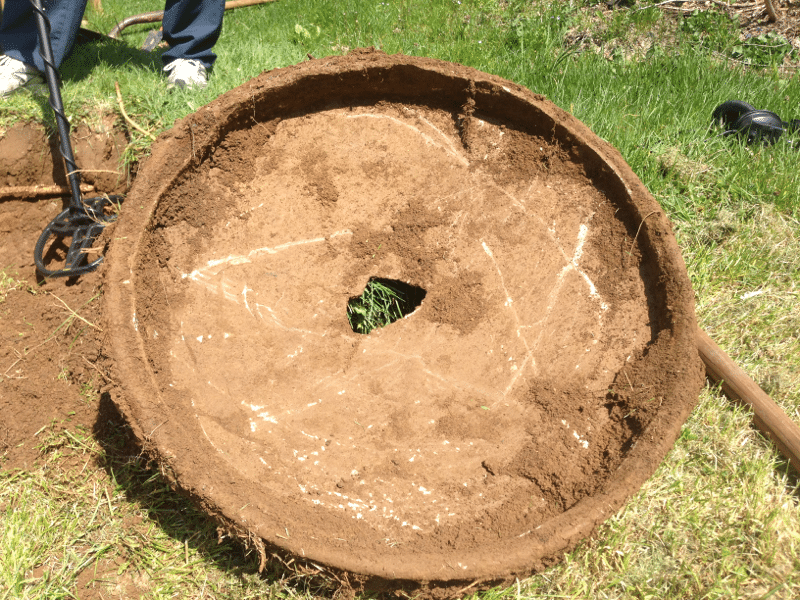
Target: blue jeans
{"type": "Point", "coordinates": [19, 37]}
{"type": "Point", "coordinates": [191, 27]}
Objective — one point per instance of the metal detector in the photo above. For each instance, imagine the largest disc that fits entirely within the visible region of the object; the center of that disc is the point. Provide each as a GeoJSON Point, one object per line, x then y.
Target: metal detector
{"type": "Point", "coordinates": [83, 219]}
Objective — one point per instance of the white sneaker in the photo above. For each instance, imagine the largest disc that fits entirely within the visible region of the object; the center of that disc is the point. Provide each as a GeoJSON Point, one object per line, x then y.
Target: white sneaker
{"type": "Point", "coordinates": [186, 74]}
{"type": "Point", "coordinates": [16, 75]}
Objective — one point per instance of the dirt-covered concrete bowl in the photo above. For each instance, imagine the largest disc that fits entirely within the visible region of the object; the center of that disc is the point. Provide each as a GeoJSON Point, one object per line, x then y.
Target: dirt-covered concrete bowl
{"type": "Point", "coordinates": [543, 374]}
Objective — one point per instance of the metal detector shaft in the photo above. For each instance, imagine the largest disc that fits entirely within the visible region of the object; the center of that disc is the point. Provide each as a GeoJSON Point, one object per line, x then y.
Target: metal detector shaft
{"type": "Point", "coordinates": [51, 74]}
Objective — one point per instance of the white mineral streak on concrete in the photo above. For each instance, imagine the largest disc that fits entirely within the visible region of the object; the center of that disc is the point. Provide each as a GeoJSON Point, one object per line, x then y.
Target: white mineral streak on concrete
{"type": "Point", "coordinates": [226, 288]}
{"type": "Point", "coordinates": [510, 305]}
{"type": "Point", "coordinates": [572, 265]}
{"type": "Point", "coordinates": [244, 295]}
{"type": "Point", "coordinates": [514, 200]}
{"type": "Point", "coordinates": [581, 441]}
{"type": "Point", "coordinates": [249, 210]}
{"type": "Point", "coordinates": [231, 260]}
{"type": "Point", "coordinates": [447, 139]}
{"type": "Point", "coordinates": [448, 148]}
{"type": "Point", "coordinates": [582, 233]}
{"type": "Point", "coordinates": [217, 388]}
{"type": "Point", "coordinates": [572, 262]}
{"type": "Point", "coordinates": [274, 318]}
{"type": "Point", "coordinates": [210, 441]}
{"type": "Point", "coordinates": [204, 274]}
{"type": "Point", "coordinates": [266, 417]}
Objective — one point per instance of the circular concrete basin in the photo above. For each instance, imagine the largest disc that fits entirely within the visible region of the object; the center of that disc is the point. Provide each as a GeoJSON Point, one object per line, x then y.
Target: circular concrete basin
{"type": "Point", "coordinates": [545, 369]}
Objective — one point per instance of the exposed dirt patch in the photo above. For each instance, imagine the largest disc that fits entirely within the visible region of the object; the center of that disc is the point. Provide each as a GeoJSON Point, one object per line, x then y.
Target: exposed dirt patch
{"type": "Point", "coordinates": [28, 156]}
{"type": "Point", "coordinates": [596, 33]}
{"type": "Point", "coordinates": [46, 354]}
{"type": "Point", "coordinates": [540, 382]}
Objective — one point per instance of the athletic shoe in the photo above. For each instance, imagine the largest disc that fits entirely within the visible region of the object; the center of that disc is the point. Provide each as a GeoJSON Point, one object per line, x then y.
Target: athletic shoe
{"type": "Point", "coordinates": [16, 75]}
{"type": "Point", "coordinates": [186, 74]}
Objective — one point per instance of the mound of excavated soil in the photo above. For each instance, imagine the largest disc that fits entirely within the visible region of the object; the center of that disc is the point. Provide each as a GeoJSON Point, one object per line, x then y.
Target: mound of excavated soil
{"type": "Point", "coordinates": [43, 348]}
{"type": "Point", "coordinates": [541, 380]}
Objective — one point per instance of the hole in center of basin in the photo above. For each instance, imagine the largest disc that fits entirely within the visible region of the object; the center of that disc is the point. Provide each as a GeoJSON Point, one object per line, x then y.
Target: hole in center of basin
{"type": "Point", "coordinates": [382, 302]}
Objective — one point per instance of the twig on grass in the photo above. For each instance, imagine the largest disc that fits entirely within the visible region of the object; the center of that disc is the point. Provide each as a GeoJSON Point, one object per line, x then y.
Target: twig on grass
{"type": "Point", "coordinates": [773, 15]}
{"type": "Point", "coordinates": [781, 68]}
{"type": "Point", "coordinates": [127, 118]}
{"type": "Point", "coordinates": [74, 314]}
{"type": "Point", "coordinates": [726, 5]}
{"type": "Point", "coordinates": [663, 3]}
{"type": "Point", "coordinates": [462, 590]}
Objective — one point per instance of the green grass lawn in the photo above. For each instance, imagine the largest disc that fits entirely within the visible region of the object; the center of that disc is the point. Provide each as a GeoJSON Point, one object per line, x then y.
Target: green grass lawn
{"type": "Point", "coordinates": [721, 516]}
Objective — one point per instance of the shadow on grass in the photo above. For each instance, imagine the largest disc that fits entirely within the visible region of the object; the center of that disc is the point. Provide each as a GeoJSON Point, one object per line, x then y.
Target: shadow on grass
{"type": "Point", "coordinates": [177, 515]}
{"type": "Point", "coordinates": [79, 65]}
{"type": "Point", "coordinates": [85, 57]}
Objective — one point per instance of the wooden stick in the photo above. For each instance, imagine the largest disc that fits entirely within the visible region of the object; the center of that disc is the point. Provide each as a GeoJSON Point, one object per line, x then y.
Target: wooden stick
{"type": "Point", "coordinates": [40, 191]}
{"type": "Point", "coordinates": [127, 118]}
{"type": "Point", "coordinates": [768, 417]}
{"type": "Point", "coordinates": [773, 15]}
{"type": "Point", "coordinates": [157, 15]}
{"type": "Point", "coordinates": [242, 3]}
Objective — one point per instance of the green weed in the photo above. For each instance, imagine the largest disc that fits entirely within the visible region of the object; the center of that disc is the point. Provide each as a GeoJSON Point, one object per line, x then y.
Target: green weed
{"type": "Point", "coordinates": [378, 306]}
{"type": "Point", "coordinates": [710, 29]}
{"type": "Point", "coordinates": [764, 50]}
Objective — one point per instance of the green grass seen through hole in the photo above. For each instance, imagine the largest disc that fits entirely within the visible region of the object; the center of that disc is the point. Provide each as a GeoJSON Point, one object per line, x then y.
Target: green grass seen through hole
{"type": "Point", "coordinates": [382, 302]}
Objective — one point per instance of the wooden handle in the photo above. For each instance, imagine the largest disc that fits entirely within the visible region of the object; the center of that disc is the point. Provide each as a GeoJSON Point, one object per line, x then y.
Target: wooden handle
{"type": "Point", "coordinates": [157, 15]}
{"type": "Point", "coordinates": [767, 416]}
{"type": "Point", "coordinates": [242, 3]}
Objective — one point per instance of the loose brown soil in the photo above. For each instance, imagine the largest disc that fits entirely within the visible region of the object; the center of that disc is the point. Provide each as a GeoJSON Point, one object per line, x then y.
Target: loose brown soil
{"type": "Point", "coordinates": [45, 352]}
{"type": "Point", "coordinates": [540, 382]}
{"type": "Point", "coordinates": [44, 355]}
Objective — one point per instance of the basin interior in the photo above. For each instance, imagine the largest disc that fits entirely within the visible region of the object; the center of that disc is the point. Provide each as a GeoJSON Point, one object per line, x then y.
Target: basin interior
{"type": "Point", "coordinates": [494, 392]}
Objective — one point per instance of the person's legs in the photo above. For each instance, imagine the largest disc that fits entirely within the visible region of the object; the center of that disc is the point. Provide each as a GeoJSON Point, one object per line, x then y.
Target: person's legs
{"type": "Point", "coordinates": [191, 28]}
{"type": "Point", "coordinates": [19, 37]}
